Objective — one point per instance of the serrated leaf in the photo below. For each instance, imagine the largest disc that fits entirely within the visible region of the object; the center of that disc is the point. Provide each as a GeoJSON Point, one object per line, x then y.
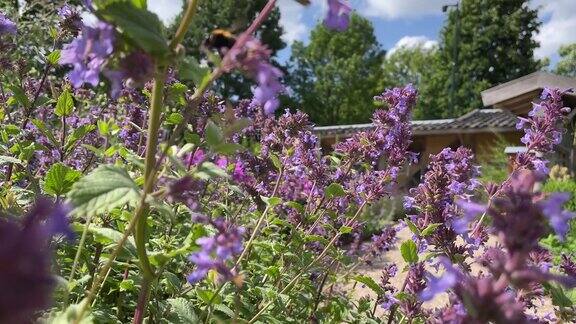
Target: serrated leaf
{"type": "Point", "coordinates": [174, 118]}
{"type": "Point", "coordinates": [409, 252]}
{"type": "Point", "coordinates": [59, 179]}
{"type": "Point", "coordinates": [430, 229]}
{"type": "Point", "coordinates": [207, 296]}
{"type": "Point", "coordinates": [370, 283]}
{"type": "Point", "coordinates": [141, 26]}
{"type": "Point", "coordinates": [183, 310]}
{"type": "Point", "coordinates": [334, 190]}
{"type": "Point", "coordinates": [105, 188]}
{"type": "Point", "coordinates": [65, 104]}
{"type": "Point", "coordinates": [213, 133]}
{"type": "Point", "coordinates": [126, 285]}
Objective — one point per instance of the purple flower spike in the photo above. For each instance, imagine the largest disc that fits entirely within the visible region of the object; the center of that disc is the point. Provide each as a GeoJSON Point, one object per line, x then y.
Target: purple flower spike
{"type": "Point", "coordinates": [216, 251]}
{"type": "Point", "coordinates": [338, 16]}
{"type": "Point", "coordinates": [25, 275]}
{"type": "Point", "coordinates": [7, 26]}
{"type": "Point", "coordinates": [558, 217]}
{"type": "Point", "coordinates": [438, 285]}
{"type": "Point", "coordinates": [87, 54]}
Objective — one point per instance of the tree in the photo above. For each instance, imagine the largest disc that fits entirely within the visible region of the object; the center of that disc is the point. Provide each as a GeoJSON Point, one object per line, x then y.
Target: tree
{"type": "Point", "coordinates": [567, 64]}
{"type": "Point", "coordinates": [236, 16]}
{"type": "Point", "coordinates": [336, 76]}
{"type": "Point", "coordinates": [410, 65]}
{"type": "Point", "coordinates": [495, 44]}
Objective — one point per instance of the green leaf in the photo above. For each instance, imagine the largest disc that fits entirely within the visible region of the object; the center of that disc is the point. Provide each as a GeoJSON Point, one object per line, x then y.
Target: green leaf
{"type": "Point", "coordinates": [127, 285]}
{"type": "Point", "coordinates": [77, 135]}
{"type": "Point", "coordinates": [8, 159]}
{"type": "Point", "coordinates": [430, 229]}
{"type": "Point", "coordinates": [272, 201]}
{"type": "Point", "coordinates": [214, 135]}
{"type": "Point", "coordinates": [42, 128]}
{"type": "Point", "coordinates": [345, 230]}
{"type": "Point", "coordinates": [107, 236]}
{"type": "Point", "coordinates": [59, 179]}
{"type": "Point", "coordinates": [370, 283]}
{"type": "Point", "coordinates": [53, 57]}
{"type": "Point", "coordinates": [208, 170]}
{"type": "Point", "coordinates": [412, 227]}
{"type": "Point", "coordinates": [103, 127]}
{"type": "Point", "coordinates": [275, 161]}
{"type": "Point", "coordinates": [104, 189]}
{"type": "Point", "coordinates": [20, 95]}
{"type": "Point", "coordinates": [208, 295]}
{"type": "Point", "coordinates": [141, 26]}
{"type": "Point", "coordinates": [409, 252]}
{"type": "Point", "coordinates": [140, 4]}
{"type": "Point", "coordinates": [334, 190]}
{"type": "Point", "coordinates": [228, 148]}
{"type": "Point", "coordinates": [174, 118]}
{"type": "Point", "coordinates": [65, 104]}
{"type": "Point", "coordinates": [183, 311]}
{"type": "Point", "coordinates": [190, 69]}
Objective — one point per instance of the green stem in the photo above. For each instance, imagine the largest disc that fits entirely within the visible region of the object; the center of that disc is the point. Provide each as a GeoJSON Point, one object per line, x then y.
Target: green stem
{"type": "Point", "coordinates": [77, 257]}
{"type": "Point", "coordinates": [156, 106]}
{"type": "Point", "coordinates": [185, 23]}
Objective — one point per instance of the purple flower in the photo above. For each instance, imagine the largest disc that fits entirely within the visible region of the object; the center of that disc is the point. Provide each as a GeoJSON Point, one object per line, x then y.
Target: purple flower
{"type": "Point", "coordinates": [7, 26]}
{"type": "Point", "coordinates": [438, 285]}
{"type": "Point", "coordinates": [87, 54]}
{"type": "Point", "coordinates": [338, 16]}
{"type": "Point", "coordinates": [25, 252]}
{"type": "Point", "coordinates": [71, 21]}
{"type": "Point", "coordinates": [542, 129]}
{"type": "Point", "coordinates": [471, 210]}
{"type": "Point", "coordinates": [568, 266]}
{"type": "Point", "coordinates": [558, 218]}
{"type": "Point", "coordinates": [216, 251]}
{"type": "Point", "coordinates": [254, 59]}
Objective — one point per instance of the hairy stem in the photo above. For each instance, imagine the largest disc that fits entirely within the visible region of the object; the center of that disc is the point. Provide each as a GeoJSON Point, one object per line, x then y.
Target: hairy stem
{"type": "Point", "coordinates": [140, 311]}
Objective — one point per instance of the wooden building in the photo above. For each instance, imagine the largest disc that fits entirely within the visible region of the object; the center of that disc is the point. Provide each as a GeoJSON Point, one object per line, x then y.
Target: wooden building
{"type": "Point", "coordinates": [479, 129]}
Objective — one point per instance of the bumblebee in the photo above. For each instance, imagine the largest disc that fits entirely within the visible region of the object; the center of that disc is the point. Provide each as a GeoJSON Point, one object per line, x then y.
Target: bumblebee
{"type": "Point", "coordinates": [220, 40]}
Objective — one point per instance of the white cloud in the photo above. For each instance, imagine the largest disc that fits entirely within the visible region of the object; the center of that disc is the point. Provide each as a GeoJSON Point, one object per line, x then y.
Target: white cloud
{"type": "Point", "coordinates": [422, 42]}
{"type": "Point", "coordinates": [292, 20]}
{"type": "Point", "coordinates": [559, 28]}
{"type": "Point", "coordinates": [167, 10]}
{"type": "Point", "coordinates": [394, 9]}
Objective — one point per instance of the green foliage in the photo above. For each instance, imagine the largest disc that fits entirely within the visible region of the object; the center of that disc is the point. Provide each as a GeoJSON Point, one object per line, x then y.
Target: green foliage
{"type": "Point", "coordinates": [59, 179]}
{"type": "Point", "coordinates": [494, 164]}
{"type": "Point", "coordinates": [105, 188]}
{"type": "Point", "coordinates": [141, 26]}
{"type": "Point", "coordinates": [416, 65]}
{"type": "Point", "coordinates": [495, 45]}
{"type": "Point", "coordinates": [409, 251]}
{"type": "Point", "coordinates": [65, 104]}
{"type": "Point", "coordinates": [567, 64]}
{"type": "Point", "coordinates": [552, 242]}
{"type": "Point", "coordinates": [335, 77]}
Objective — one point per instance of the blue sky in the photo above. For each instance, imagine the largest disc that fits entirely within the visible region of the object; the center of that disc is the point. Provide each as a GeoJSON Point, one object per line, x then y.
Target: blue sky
{"type": "Point", "coordinates": [405, 22]}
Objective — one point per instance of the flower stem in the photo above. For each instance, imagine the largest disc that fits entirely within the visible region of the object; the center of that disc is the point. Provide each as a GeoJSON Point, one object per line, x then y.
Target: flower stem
{"type": "Point", "coordinates": [140, 311]}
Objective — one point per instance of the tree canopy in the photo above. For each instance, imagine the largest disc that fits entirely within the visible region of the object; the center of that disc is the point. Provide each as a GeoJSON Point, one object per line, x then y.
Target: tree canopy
{"type": "Point", "coordinates": [567, 64]}
{"type": "Point", "coordinates": [336, 75]}
{"type": "Point", "coordinates": [495, 44]}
